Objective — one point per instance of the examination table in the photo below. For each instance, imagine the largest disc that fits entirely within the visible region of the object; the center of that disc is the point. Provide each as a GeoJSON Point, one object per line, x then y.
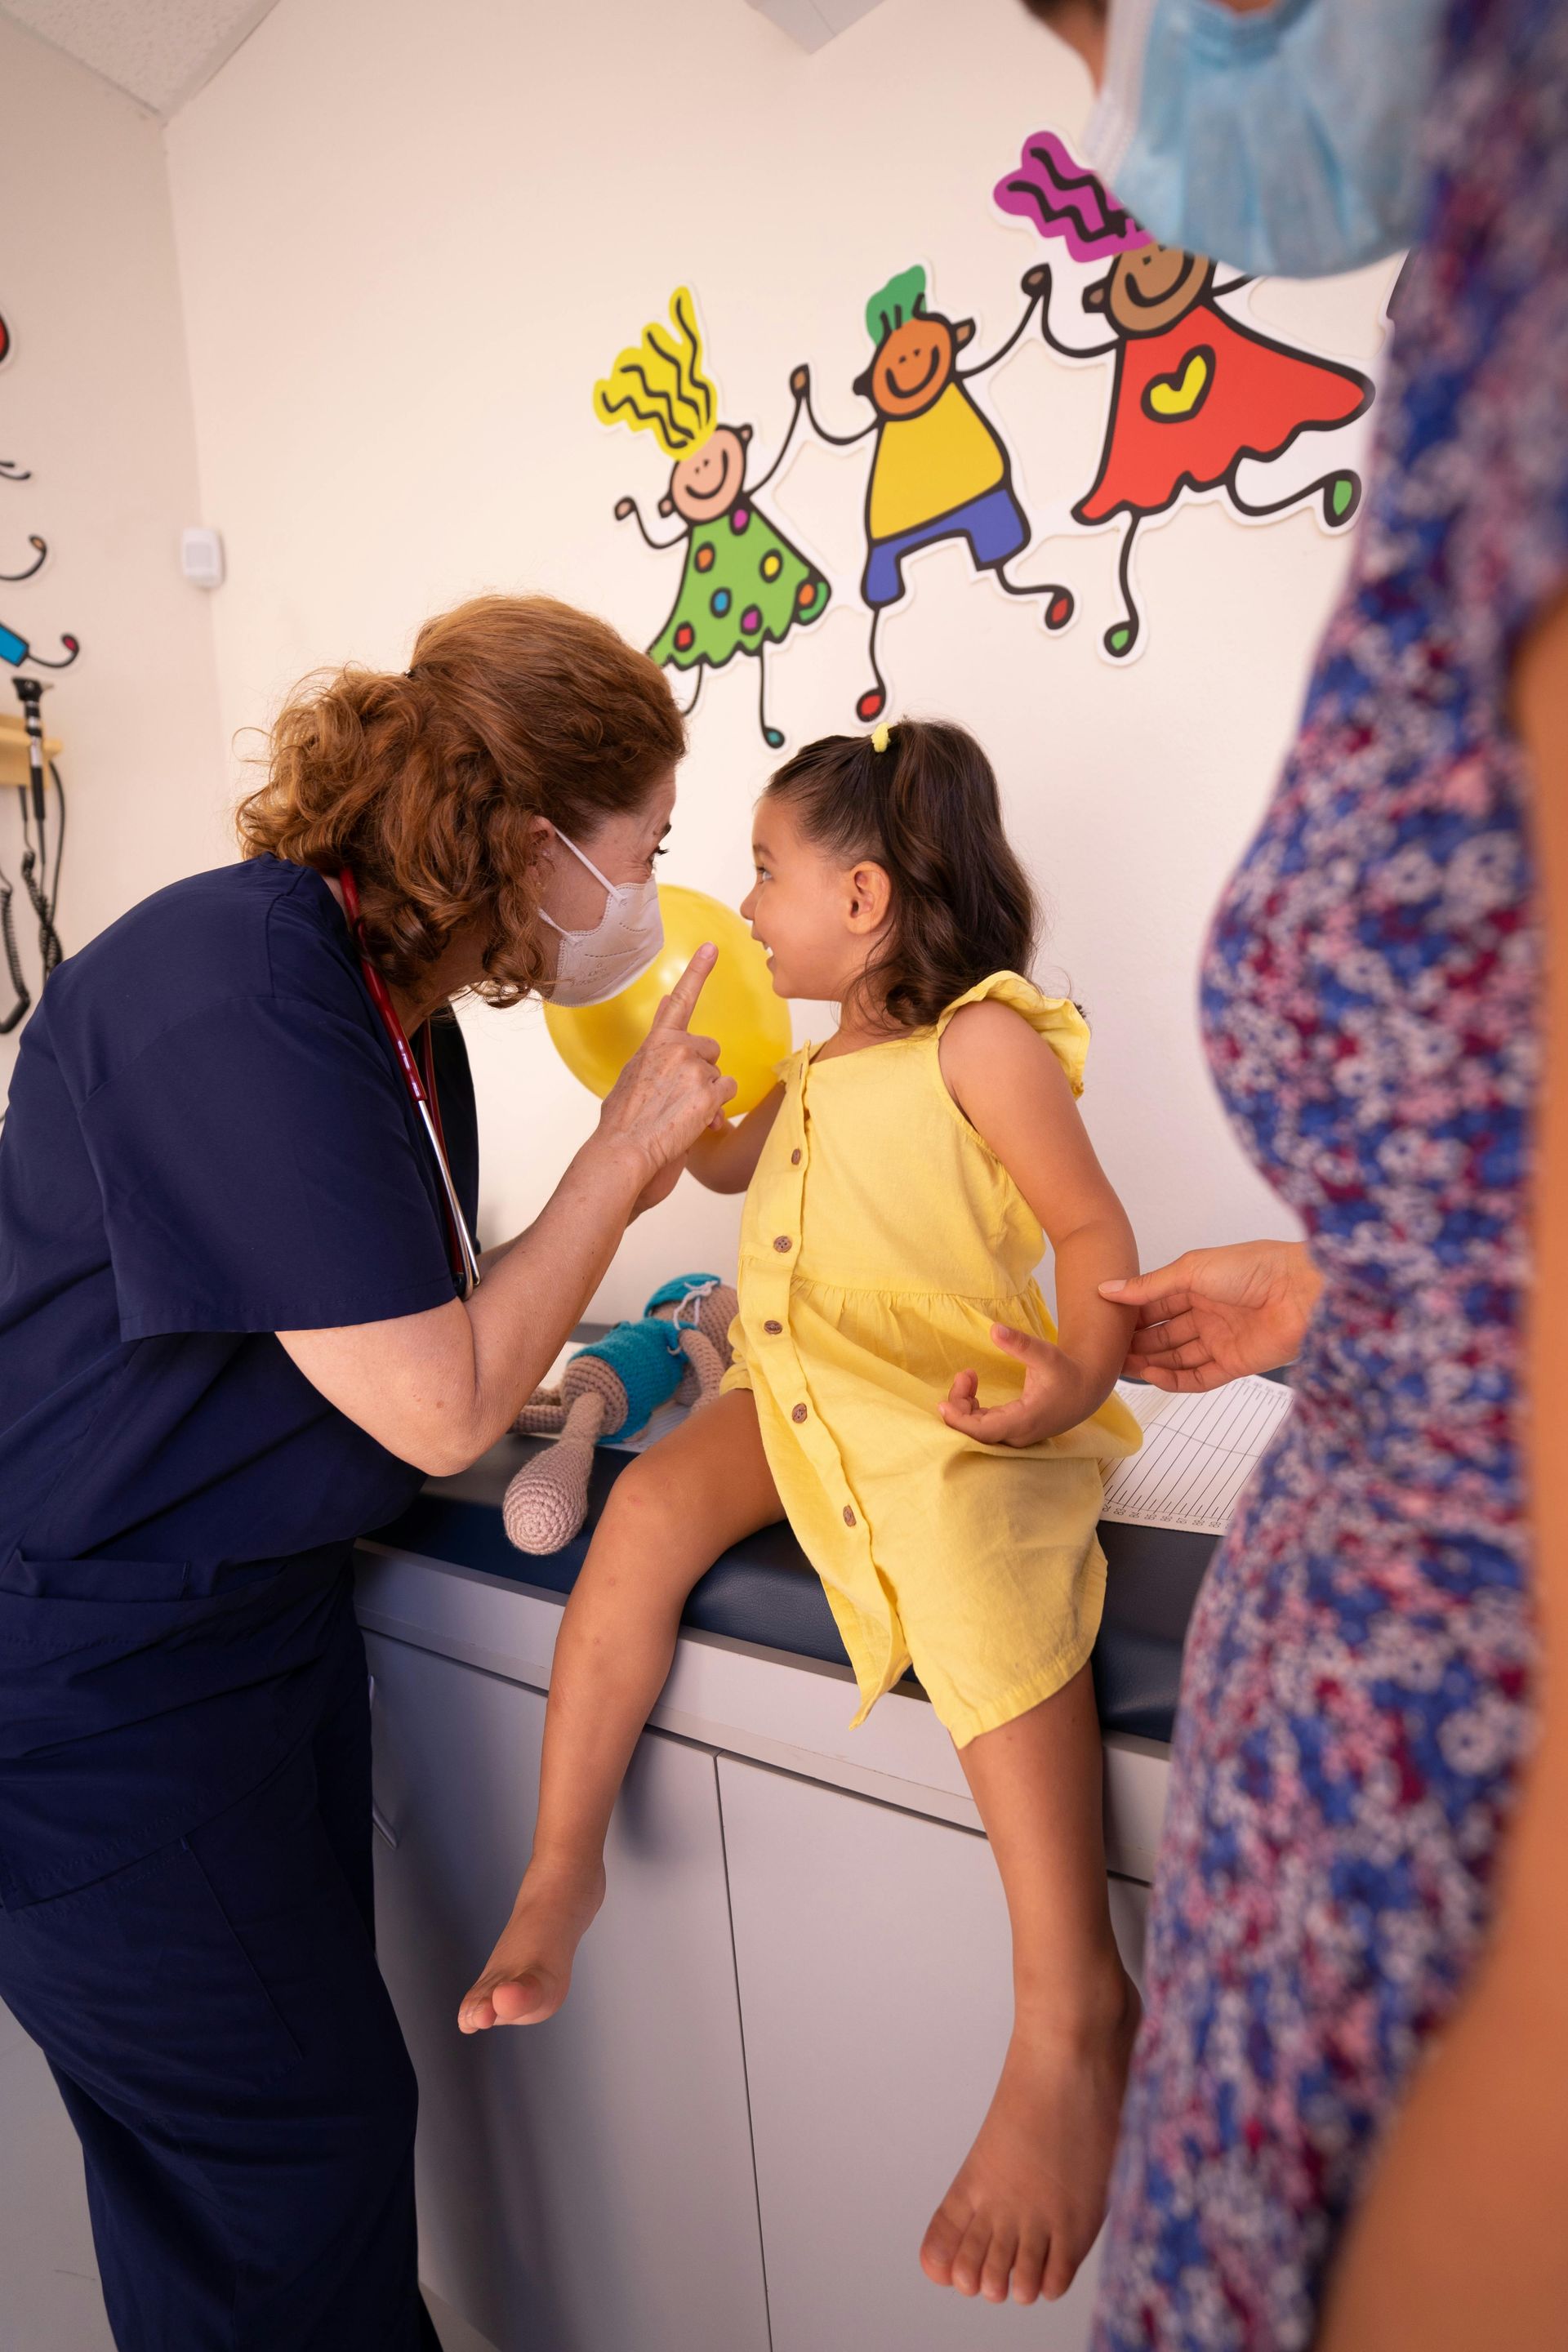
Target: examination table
{"type": "Point", "coordinates": [785, 2024]}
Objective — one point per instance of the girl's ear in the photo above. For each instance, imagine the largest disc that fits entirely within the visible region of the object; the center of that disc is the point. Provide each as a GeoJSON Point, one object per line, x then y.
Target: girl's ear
{"type": "Point", "coordinates": [743, 434]}
{"type": "Point", "coordinates": [964, 332]}
{"type": "Point", "coordinates": [869, 896]}
{"type": "Point", "coordinates": [1094, 298]}
{"type": "Point", "coordinates": [667, 504]}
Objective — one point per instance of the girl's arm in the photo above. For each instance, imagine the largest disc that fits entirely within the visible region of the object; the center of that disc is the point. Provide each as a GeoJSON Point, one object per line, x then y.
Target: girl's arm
{"type": "Point", "coordinates": [1011, 1088]}
{"type": "Point", "coordinates": [725, 1157]}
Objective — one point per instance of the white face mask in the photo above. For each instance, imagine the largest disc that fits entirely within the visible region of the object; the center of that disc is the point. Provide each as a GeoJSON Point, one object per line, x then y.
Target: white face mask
{"type": "Point", "coordinates": [595, 964]}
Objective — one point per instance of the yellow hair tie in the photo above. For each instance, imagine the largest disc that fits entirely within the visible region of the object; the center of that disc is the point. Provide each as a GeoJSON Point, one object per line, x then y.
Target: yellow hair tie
{"type": "Point", "coordinates": [879, 740]}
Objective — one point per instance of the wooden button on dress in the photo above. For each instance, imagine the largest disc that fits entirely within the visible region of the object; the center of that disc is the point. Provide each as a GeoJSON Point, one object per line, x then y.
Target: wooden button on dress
{"type": "Point", "coordinates": [783, 1242]}
{"type": "Point", "coordinates": [848, 1516]}
{"type": "Point", "coordinates": [772, 1329]}
{"type": "Point", "coordinates": [798, 1413]}
{"type": "Point", "coordinates": [794, 1159]}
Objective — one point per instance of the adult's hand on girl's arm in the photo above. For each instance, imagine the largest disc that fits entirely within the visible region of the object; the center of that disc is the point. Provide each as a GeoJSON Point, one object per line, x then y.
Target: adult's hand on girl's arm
{"type": "Point", "coordinates": [1213, 1315]}
{"type": "Point", "coordinates": [1460, 2245]}
{"type": "Point", "coordinates": [437, 1388]}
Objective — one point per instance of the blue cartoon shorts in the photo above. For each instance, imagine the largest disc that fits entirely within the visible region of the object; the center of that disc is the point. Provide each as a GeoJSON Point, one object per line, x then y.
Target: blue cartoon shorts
{"type": "Point", "coordinates": [994, 524]}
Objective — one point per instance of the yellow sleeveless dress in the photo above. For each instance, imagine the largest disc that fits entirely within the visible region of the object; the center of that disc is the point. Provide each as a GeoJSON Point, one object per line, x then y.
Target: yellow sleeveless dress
{"type": "Point", "coordinates": [881, 1240]}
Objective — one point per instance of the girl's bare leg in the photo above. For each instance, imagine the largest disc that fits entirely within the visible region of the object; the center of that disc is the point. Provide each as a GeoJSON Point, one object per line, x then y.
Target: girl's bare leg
{"type": "Point", "coordinates": [669, 1516]}
{"type": "Point", "coordinates": [1028, 2202]}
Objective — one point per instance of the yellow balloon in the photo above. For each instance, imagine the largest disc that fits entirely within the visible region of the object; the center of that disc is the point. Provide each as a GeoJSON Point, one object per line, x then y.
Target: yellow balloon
{"type": "Point", "coordinates": [737, 1005]}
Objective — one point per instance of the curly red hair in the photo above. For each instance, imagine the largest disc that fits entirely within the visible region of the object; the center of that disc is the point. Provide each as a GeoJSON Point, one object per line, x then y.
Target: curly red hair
{"type": "Point", "coordinates": [426, 783]}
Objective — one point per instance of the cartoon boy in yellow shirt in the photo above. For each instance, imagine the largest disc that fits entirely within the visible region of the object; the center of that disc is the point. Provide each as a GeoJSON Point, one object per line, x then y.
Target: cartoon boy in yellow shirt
{"type": "Point", "coordinates": [940, 470]}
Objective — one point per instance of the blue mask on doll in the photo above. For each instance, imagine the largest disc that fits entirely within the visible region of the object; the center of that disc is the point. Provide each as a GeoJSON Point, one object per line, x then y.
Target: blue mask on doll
{"type": "Point", "coordinates": [1285, 143]}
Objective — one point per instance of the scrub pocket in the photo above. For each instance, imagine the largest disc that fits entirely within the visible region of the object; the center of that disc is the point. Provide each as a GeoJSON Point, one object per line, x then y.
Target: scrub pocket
{"type": "Point", "coordinates": [140, 1698]}
{"type": "Point", "coordinates": [157, 1934]}
{"type": "Point", "coordinates": [56, 1613]}
{"type": "Point", "coordinates": [95, 1580]}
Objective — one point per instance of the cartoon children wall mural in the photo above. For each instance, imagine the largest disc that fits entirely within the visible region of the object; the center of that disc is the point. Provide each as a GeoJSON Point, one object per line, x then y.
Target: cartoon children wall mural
{"type": "Point", "coordinates": [1202, 404]}
{"type": "Point", "coordinates": [744, 585]}
{"type": "Point", "coordinates": [940, 470]}
{"type": "Point", "coordinates": [1197, 396]}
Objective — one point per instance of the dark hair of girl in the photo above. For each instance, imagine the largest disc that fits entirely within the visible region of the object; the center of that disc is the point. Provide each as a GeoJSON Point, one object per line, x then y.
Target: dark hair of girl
{"type": "Point", "coordinates": [928, 812]}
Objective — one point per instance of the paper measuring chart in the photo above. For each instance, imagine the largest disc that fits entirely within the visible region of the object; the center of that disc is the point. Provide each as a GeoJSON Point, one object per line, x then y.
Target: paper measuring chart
{"type": "Point", "coordinates": [1198, 1453]}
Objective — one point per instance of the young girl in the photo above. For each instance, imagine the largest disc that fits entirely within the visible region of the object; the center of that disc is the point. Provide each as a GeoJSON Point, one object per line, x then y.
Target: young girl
{"type": "Point", "coordinates": [899, 1178]}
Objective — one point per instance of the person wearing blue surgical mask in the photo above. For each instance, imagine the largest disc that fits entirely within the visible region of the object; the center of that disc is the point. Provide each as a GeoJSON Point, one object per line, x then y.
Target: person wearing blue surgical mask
{"type": "Point", "coordinates": [1282, 139]}
{"type": "Point", "coordinates": [1346, 2125]}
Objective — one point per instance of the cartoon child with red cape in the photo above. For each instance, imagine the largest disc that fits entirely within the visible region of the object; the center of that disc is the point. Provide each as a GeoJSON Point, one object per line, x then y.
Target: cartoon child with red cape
{"type": "Point", "coordinates": [1196, 394]}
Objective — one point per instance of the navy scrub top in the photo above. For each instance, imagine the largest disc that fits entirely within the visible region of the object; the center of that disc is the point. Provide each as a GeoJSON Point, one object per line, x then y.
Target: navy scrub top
{"type": "Point", "coordinates": [208, 1141]}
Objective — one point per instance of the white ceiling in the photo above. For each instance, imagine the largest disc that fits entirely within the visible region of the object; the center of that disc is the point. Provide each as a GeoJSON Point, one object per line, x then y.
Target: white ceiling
{"type": "Point", "coordinates": [814, 23]}
{"type": "Point", "coordinates": [159, 51]}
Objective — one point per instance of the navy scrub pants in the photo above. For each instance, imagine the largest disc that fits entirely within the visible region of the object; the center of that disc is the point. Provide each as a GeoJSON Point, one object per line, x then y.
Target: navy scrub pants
{"type": "Point", "coordinates": [222, 2038]}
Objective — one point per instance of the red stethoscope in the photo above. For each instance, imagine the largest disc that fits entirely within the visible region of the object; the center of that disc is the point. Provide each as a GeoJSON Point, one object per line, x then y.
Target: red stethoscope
{"type": "Point", "coordinates": [421, 1091]}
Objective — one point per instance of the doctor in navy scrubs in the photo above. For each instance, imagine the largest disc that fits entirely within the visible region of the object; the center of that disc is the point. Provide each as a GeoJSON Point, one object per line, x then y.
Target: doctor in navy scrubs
{"type": "Point", "coordinates": [239, 1321]}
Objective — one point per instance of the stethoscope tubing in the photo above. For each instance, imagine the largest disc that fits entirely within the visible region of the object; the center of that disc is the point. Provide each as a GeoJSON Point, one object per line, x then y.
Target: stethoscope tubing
{"type": "Point", "coordinates": [460, 1247]}
{"type": "Point", "coordinates": [470, 1264]}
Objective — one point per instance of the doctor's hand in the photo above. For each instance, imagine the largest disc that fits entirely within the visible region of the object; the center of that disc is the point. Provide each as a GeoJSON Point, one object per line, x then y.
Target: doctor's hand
{"type": "Point", "coordinates": [669, 1092]}
{"type": "Point", "coordinates": [1213, 1315]}
{"type": "Point", "coordinates": [1057, 1395]}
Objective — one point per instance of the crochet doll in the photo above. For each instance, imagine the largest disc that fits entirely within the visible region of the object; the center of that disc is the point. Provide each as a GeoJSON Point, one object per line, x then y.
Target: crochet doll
{"type": "Point", "coordinates": [679, 1351]}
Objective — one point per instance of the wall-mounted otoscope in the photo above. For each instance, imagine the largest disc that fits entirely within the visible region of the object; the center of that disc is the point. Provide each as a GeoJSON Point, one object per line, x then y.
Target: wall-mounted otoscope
{"type": "Point", "coordinates": [41, 885]}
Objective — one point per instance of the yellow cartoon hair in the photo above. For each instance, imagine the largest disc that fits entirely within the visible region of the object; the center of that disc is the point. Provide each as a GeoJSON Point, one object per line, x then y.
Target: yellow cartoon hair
{"type": "Point", "coordinates": [658, 385]}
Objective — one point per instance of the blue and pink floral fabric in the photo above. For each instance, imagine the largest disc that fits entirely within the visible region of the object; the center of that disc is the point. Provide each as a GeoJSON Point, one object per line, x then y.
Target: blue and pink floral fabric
{"type": "Point", "coordinates": [1357, 1695]}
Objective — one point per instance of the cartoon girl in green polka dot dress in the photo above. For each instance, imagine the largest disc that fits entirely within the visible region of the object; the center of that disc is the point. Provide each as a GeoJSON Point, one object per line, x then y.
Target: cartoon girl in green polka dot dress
{"type": "Point", "coordinates": [745, 586]}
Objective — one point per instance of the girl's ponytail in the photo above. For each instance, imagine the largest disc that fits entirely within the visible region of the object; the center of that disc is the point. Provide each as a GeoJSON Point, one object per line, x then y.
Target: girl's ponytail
{"type": "Point", "coordinates": [927, 810]}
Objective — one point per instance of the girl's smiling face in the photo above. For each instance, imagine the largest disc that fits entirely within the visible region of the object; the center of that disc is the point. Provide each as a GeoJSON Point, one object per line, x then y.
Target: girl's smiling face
{"type": "Point", "coordinates": [818, 920]}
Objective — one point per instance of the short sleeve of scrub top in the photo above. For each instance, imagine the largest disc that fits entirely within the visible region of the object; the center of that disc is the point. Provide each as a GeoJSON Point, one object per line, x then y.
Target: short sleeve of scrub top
{"type": "Point", "coordinates": [255, 1151]}
{"type": "Point", "coordinates": [259, 1174]}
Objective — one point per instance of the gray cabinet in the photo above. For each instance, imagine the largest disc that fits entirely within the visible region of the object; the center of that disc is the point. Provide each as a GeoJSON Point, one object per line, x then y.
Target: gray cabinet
{"type": "Point", "coordinates": [584, 2186]}
{"type": "Point", "coordinates": [872, 1952]}
{"type": "Point", "coordinates": [784, 2028]}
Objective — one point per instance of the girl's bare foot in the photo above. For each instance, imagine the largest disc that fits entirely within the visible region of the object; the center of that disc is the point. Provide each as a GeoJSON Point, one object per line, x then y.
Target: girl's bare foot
{"type": "Point", "coordinates": [529, 1974]}
{"type": "Point", "coordinates": [1030, 2199]}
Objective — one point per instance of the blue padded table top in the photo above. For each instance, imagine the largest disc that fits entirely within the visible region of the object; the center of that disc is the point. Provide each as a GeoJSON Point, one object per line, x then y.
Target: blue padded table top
{"type": "Point", "coordinates": [763, 1591]}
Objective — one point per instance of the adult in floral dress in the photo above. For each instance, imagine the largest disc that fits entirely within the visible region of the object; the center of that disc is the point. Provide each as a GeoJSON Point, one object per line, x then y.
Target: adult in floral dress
{"type": "Point", "coordinates": [1387, 1017]}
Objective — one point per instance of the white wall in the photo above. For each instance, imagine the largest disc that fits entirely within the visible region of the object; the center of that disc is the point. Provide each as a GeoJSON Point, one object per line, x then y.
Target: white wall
{"type": "Point", "coordinates": [95, 399]}
{"type": "Point", "coordinates": [410, 242]}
